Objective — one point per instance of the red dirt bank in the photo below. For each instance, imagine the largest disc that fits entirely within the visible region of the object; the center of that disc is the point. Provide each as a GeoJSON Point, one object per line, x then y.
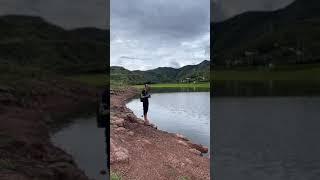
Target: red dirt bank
{"type": "Point", "coordinates": [143, 152]}
{"type": "Point", "coordinates": [26, 152]}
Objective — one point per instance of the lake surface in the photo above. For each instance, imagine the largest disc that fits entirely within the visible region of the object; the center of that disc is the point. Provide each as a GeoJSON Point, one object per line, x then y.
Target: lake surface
{"type": "Point", "coordinates": [265, 131]}
{"type": "Point", "coordinates": [86, 143]}
{"type": "Point", "coordinates": [186, 113]}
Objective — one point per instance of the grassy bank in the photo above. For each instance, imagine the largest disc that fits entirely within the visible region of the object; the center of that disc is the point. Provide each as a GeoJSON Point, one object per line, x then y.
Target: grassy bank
{"type": "Point", "coordinates": [178, 85]}
{"type": "Point", "coordinates": [285, 72]}
{"type": "Point", "coordinates": [98, 80]}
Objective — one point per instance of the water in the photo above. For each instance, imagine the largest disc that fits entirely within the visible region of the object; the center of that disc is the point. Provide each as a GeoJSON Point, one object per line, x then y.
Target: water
{"type": "Point", "coordinates": [86, 143]}
{"type": "Point", "coordinates": [266, 88]}
{"type": "Point", "coordinates": [260, 130]}
{"type": "Point", "coordinates": [186, 113]}
{"type": "Point", "coordinates": [266, 133]}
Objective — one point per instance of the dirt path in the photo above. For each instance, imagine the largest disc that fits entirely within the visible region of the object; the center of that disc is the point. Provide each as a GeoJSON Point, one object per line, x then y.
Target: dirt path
{"type": "Point", "coordinates": [143, 152]}
{"type": "Point", "coordinates": [26, 152]}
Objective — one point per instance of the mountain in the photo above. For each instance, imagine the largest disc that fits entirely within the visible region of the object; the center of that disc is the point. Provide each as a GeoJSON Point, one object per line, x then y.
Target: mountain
{"type": "Point", "coordinates": [199, 72]}
{"type": "Point", "coordinates": [31, 41]}
{"type": "Point", "coordinates": [286, 36]}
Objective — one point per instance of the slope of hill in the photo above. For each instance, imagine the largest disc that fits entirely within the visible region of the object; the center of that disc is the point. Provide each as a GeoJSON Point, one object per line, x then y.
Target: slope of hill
{"type": "Point", "coordinates": [200, 72]}
{"type": "Point", "coordinates": [31, 41]}
{"type": "Point", "coordinates": [286, 36]}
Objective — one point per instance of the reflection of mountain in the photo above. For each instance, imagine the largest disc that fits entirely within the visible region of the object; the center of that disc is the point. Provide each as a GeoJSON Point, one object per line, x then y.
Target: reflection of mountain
{"type": "Point", "coordinates": [27, 40]}
{"type": "Point", "coordinates": [199, 72]}
{"type": "Point", "coordinates": [289, 35]}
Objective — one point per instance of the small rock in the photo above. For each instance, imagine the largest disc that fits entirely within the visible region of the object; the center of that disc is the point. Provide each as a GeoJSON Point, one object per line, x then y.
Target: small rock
{"type": "Point", "coordinates": [120, 129]}
{"type": "Point", "coordinates": [146, 141]}
{"type": "Point", "coordinates": [174, 162]}
{"type": "Point", "coordinates": [180, 136]}
{"type": "Point", "coordinates": [199, 147]}
{"type": "Point", "coordinates": [195, 151]}
{"type": "Point", "coordinates": [153, 125]}
{"type": "Point", "coordinates": [140, 121]}
{"type": "Point", "coordinates": [121, 155]}
{"type": "Point", "coordinates": [188, 161]}
{"type": "Point", "coordinates": [131, 133]}
{"type": "Point", "coordinates": [182, 143]}
{"type": "Point", "coordinates": [103, 172]}
{"type": "Point", "coordinates": [117, 153]}
{"type": "Point", "coordinates": [118, 122]}
{"type": "Point", "coordinates": [131, 118]}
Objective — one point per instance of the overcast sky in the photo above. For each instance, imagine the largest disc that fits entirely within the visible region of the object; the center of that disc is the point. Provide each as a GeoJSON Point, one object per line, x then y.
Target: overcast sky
{"type": "Point", "coordinates": [224, 9]}
{"type": "Point", "coordinates": [66, 13]}
{"type": "Point", "coordinates": [147, 34]}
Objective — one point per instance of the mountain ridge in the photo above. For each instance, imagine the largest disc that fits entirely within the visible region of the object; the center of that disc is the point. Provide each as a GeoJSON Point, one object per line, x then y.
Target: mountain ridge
{"type": "Point", "coordinates": [189, 73]}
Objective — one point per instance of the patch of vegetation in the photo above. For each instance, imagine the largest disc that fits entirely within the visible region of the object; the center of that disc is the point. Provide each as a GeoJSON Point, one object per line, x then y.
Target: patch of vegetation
{"type": "Point", "coordinates": [99, 80]}
{"type": "Point", "coordinates": [115, 176]}
{"type": "Point", "coordinates": [6, 164]}
{"type": "Point", "coordinates": [5, 139]}
{"type": "Point", "coordinates": [184, 178]}
{"type": "Point", "coordinates": [284, 72]}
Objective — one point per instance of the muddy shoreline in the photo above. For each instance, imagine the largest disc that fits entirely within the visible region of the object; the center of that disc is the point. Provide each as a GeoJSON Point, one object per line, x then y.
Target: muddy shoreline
{"type": "Point", "coordinates": [144, 152]}
{"type": "Point", "coordinates": [26, 150]}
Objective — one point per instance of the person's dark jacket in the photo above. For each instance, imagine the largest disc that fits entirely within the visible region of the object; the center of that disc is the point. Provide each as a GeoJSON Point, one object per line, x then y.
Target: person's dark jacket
{"type": "Point", "coordinates": [145, 96]}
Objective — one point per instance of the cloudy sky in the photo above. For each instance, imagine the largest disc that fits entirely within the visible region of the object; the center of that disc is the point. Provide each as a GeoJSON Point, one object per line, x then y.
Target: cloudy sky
{"type": "Point", "coordinates": [148, 34]}
{"type": "Point", "coordinates": [66, 13]}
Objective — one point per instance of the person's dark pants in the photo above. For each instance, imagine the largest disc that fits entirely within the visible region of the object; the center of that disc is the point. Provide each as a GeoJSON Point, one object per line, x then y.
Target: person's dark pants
{"type": "Point", "coordinates": [145, 107]}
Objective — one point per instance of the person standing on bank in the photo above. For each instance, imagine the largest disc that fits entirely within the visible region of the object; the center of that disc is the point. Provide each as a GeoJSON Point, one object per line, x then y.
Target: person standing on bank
{"type": "Point", "coordinates": [144, 98]}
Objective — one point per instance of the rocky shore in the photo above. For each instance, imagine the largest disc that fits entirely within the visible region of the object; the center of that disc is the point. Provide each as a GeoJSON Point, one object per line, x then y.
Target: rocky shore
{"type": "Point", "coordinates": [139, 151]}
{"type": "Point", "coordinates": [26, 152]}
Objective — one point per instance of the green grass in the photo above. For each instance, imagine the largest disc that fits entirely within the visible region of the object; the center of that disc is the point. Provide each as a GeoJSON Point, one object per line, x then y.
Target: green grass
{"type": "Point", "coordinates": [178, 85]}
{"type": "Point", "coordinates": [296, 72]}
{"type": "Point", "coordinates": [184, 178]}
{"type": "Point", "coordinates": [7, 164]}
{"type": "Point", "coordinates": [115, 176]}
{"type": "Point", "coordinates": [98, 80]}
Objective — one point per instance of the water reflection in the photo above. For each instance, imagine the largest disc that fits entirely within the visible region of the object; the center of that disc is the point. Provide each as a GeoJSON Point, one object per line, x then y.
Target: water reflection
{"type": "Point", "coordinates": [273, 136]}
{"type": "Point", "coordinates": [84, 141]}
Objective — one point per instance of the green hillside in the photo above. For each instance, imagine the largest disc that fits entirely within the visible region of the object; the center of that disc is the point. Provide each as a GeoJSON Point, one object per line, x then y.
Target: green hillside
{"type": "Point", "coordinates": [31, 41]}
{"type": "Point", "coordinates": [190, 73]}
{"type": "Point", "coordinates": [286, 36]}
